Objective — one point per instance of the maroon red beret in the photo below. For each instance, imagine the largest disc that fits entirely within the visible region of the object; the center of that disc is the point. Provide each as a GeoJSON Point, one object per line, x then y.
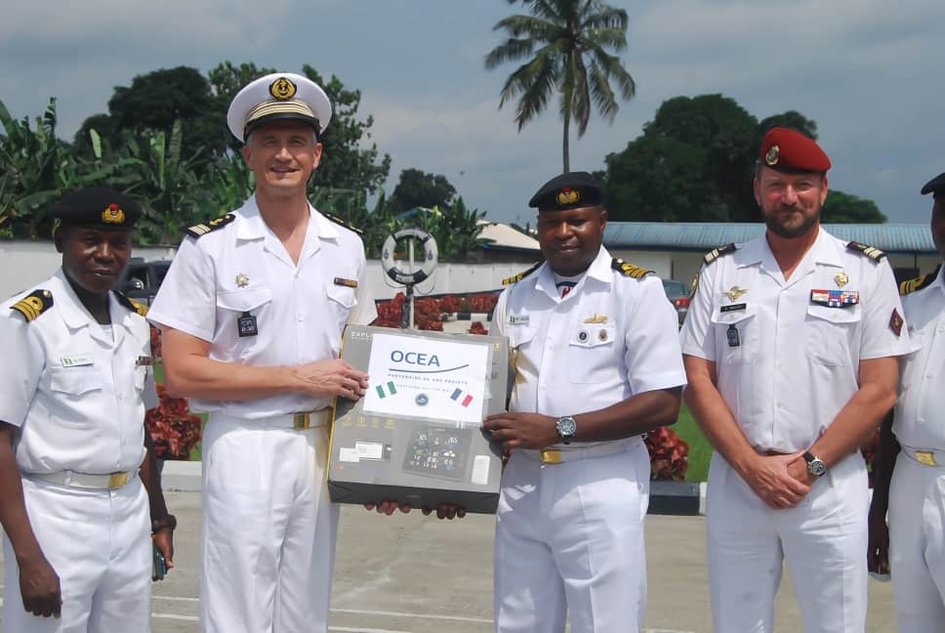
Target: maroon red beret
{"type": "Point", "coordinates": [787, 150]}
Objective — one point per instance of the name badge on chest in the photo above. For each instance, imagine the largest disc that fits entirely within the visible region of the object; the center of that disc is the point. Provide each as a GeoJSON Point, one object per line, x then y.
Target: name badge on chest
{"type": "Point", "coordinates": [247, 325]}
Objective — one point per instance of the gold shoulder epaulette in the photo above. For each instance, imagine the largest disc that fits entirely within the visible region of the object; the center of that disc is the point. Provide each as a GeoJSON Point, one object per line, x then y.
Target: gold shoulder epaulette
{"type": "Point", "coordinates": [629, 270]}
{"type": "Point", "coordinates": [508, 281]}
{"type": "Point", "coordinates": [131, 304]}
{"type": "Point", "coordinates": [199, 230]}
{"type": "Point", "coordinates": [715, 253]}
{"type": "Point", "coordinates": [911, 285]}
{"type": "Point", "coordinates": [341, 222]}
{"type": "Point", "coordinates": [34, 304]}
{"type": "Point", "coordinates": [872, 252]}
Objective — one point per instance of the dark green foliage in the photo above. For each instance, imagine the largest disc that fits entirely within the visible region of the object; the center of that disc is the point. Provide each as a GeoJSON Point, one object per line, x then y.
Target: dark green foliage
{"type": "Point", "coordinates": [695, 162]}
{"type": "Point", "coordinates": [420, 189]}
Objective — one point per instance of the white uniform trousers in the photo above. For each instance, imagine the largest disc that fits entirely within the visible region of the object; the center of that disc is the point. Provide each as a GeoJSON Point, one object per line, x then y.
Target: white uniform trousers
{"type": "Point", "coordinates": [917, 545]}
{"type": "Point", "coordinates": [569, 537]}
{"type": "Point", "coordinates": [268, 540]}
{"type": "Point", "coordinates": [99, 544]}
{"type": "Point", "coordinates": [822, 540]}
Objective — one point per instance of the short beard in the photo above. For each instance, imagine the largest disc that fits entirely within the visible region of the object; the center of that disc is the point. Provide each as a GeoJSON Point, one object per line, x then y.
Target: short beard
{"type": "Point", "coordinates": [794, 231]}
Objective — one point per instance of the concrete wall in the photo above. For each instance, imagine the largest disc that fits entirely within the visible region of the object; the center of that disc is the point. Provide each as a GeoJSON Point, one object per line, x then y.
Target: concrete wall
{"type": "Point", "coordinates": [23, 264]}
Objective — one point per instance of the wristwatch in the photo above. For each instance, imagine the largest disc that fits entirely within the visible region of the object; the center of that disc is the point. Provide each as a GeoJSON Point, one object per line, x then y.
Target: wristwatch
{"type": "Point", "coordinates": [815, 465]}
{"type": "Point", "coordinates": [566, 428]}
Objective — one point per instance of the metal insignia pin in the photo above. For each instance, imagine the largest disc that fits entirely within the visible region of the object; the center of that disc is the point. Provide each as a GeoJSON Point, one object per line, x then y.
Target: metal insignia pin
{"type": "Point", "coordinates": [841, 279]}
{"type": "Point", "coordinates": [242, 280]}
{"type": "Point", "coordinates": [734, 293]}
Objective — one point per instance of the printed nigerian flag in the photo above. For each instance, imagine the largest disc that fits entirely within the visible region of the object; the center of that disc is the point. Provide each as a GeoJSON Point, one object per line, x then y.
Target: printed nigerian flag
{"type": "Point", "coordinates": [386, 390]}
{"type": "Point", "coordinates": [461, 397]}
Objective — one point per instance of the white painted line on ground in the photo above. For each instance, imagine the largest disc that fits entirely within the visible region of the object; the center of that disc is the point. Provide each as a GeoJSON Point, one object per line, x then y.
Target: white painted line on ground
{"type": "Point", "coordinates": [397, 614]}
{"type": "Point", "coordinates": [424, 616]}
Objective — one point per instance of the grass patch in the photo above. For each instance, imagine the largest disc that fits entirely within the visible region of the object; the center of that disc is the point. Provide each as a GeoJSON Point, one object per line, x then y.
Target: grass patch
{"type": "Point", "coordinates": [700, 450]}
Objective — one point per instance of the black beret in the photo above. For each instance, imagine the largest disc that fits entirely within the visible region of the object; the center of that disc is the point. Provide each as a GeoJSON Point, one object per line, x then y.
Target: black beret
{"type": "Point", "coordinates": [936, 186]}
{"type": "Point", "coordinates": [97, 207]}
{"type": "Point", "coordinates": [572, 190]}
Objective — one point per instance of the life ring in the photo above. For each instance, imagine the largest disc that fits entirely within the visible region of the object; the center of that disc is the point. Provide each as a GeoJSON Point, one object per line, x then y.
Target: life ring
{"type": "Point", "coordinates": [426, 266]}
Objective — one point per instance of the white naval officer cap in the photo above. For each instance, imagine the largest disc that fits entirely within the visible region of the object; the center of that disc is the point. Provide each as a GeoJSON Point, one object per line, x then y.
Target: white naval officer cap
{"type": "Point", "coordinates": [278, 97]}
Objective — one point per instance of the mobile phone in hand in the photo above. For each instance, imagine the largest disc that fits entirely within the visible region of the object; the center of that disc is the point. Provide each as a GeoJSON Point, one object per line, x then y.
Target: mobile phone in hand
{"type": "Point", "coordinates": [159, 566]}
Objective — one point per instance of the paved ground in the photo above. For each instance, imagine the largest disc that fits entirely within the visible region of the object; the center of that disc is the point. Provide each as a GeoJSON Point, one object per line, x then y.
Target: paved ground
{"type": "Point", "coordinates": [415, 574]}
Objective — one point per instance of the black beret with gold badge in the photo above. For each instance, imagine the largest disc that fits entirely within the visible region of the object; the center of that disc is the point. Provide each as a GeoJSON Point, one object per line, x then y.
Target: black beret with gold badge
{"type": "Point", "coordinates": [98, 207]}
{"type": "Point", "coordinates": [572, 190]}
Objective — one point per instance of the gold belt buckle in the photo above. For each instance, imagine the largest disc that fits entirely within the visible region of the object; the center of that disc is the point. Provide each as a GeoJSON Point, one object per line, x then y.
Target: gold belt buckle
{"type": "Point", "coordinates": [117, 480]}
{"type": "Point", "coordinates": [926, 458]}
{"type": "Point", "coordinates": [301, 420]}
{"type": "Point", "coordinates": [550, 456]}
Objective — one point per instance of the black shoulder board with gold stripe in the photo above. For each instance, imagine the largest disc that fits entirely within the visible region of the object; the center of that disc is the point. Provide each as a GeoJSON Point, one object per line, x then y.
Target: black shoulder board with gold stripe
{"type": "Point", "coordinates": [131, 304]}
{"type": "Point", "coordinates": [911, 285]}
{"type": "Point", "coordinates": [199, 230]}
{"type": "Point", "coordinates": [34, 304]}
{"type": "Point", "coordinates": [341, 222]}
{"type": "Point", "coordinates": [715, 253]}
{"type": "Point", "coordinates": [629, 270]}
{"type": "Point", "coordinates": [873, 253]}
{"type": "Point", "coordinates": [508, 281]}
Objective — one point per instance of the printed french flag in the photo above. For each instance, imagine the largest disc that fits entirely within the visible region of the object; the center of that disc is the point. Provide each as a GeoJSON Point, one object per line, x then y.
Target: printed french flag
{"type": "Point", "coordinates": [459, 393]}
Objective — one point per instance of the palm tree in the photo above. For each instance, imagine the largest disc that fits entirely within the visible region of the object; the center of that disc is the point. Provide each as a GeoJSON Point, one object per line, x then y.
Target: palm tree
{"type": "Point", "coordinates": [565, 44]}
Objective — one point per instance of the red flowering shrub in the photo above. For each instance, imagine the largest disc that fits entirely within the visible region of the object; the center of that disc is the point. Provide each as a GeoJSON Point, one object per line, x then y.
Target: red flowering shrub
{"type": "Point", "coordinates": [429, 312]}
{"type": "Point", "coordinates": [174, 428]}
{"type": "Point", "coordinates": [669, 455]}
{"type": "Point", "coordinates": [477, 328]}
{"type": "Point", "coordinates": [869, 454]}
{"type": "Point", "coordinates": [155, 343]}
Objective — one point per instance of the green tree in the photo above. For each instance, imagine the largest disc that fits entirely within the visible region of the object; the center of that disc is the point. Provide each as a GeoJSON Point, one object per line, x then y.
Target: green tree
{"type": "Point", "coordinates": [566, 46]}
{"type": "Point", "coordinates": [844, 208]}
{"type": "Point", "coordinates": [419, 189]}
{"type": "Point", "coordinates": [695, 162]}
{"type": "Point", "coordinates": [154, 102]}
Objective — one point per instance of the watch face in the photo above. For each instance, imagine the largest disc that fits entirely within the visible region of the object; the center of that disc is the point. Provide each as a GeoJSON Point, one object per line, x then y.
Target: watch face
{"type": "Point", "coordinates": [566, 426]}
{"type": "Point", "coordinates": [817, 467]}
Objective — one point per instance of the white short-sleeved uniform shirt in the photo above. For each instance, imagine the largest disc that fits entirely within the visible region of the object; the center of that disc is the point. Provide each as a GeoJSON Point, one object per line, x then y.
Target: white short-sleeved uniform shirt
{"type": "Point", "coordinates": [920, 411]}
{"type": "Point", "coordinates": [293, 314]}
{"type": "Point", "coordinates": [77, 393]}
{"type": "Point", "coordinates": [786, 361]}
{"type": "Point", "coordinates": [610, 338]}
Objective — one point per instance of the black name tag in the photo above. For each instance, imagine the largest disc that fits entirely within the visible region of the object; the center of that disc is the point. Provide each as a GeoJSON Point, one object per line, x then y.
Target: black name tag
{"type": "Point", "coordinates": [247, 325]}
{"type": "Point", "coordinates": [734, 307]}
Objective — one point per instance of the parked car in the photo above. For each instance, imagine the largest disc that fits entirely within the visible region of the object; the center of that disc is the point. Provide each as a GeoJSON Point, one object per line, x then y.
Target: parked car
{"type": "Point", "coordinates": [141, 279]}
{"type": "Point", "coordinates": [678, 295]}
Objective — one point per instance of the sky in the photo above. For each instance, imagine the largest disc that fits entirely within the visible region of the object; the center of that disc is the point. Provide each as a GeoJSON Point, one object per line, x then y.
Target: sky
{"type": "Point", "coordinates": [865, 70]}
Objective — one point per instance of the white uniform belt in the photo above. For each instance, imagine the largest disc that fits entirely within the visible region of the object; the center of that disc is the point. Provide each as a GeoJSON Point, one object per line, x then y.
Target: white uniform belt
{"type": "Point", "coordinates": [300, 420]}
{"type": "Point", "coordinates": [310, 419]}
{"type": "Point", "coordinates": [926, 457]}
{"type": "Point", "coordinates": [71, 479]}
{"type": "Point", "coordinates": [574, 452]}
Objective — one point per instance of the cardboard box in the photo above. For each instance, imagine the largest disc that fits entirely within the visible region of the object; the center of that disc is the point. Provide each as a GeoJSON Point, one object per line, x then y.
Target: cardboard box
{"type": "Point", "coordinates": [416, 437]}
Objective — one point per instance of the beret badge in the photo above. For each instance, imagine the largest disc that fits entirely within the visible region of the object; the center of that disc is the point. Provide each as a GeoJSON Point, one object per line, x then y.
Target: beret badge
{"type": "Point", "coordinates": [282, 89]}
{"type": "Point", "coordinates": [113, 214]}
{"type": "Point", "coordinates": [567, 196]}
{"type": "Point", "coordinates": [773, 155]}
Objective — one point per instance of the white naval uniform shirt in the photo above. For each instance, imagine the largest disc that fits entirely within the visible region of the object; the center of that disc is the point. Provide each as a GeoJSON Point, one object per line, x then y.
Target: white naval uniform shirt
{"type": "Point", "coordinates": [77, 394]}
{"type": "Point", "coordinates": [300, 310]}
{"type": "Point", "coordinates": [610, 338]}
{"type": "Point", "coordinates": [920, 411]}
{"type": "Point", "coordinates": [796, 361]}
